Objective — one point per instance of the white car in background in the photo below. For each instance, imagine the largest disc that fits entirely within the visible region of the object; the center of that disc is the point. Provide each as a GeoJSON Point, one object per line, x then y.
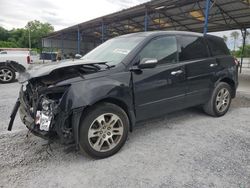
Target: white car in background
{"type": "Point", "coordinates": [15, 61]}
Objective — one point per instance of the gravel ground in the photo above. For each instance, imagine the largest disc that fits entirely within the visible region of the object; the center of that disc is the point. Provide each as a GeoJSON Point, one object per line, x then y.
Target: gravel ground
{"type": "Point", "coordinates": [183, 149]}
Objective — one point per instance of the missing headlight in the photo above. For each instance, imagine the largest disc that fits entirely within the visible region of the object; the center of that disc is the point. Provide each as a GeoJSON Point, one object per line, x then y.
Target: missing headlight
{"type": "Point", "coordinates": [43, 120]}
{"type": "Point", "coordinates": [45, 114]}
{"type": "Point", "coordinates": [46, 105]}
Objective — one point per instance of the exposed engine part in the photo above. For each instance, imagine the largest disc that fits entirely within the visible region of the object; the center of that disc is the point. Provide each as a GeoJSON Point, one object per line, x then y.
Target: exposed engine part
{"type": "Point", "coordinates": [43, 120]}
{"type": "Point", "coordinates": [45, 114]}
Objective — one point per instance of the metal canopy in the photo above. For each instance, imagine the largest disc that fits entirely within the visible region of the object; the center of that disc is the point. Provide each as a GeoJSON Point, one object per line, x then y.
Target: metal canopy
{"type": "Point", "coordinates": [185, 15]}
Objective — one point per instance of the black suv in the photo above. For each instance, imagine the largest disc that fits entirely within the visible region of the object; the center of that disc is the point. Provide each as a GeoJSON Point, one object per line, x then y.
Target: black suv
{"type": "Point", "coordinates": [95, 101]}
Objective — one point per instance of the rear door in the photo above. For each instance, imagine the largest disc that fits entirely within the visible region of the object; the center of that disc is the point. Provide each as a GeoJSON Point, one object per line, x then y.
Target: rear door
{"type": "Point", "coordinates": [161, 89]}
{"type": "Point", "coordinates": [200, 68]}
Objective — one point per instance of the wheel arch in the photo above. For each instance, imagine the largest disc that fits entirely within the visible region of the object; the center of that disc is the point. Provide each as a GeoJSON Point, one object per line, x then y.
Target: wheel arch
{"type": "Point", "coordinates": [6, 64]}
{"type": "Point", "coordinates": [79, 113]}
{"type": "Point", "coordinates": [122, 105]}
{"type": "Point", "coordinates": [15, 66]}
{"type": "Point", "coordinates": [231, 83]}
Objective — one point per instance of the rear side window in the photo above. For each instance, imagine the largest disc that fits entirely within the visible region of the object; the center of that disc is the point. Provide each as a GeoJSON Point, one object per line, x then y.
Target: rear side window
{"type": "Point", "coordinates": [217, 46]}
{"type": "Point", "coordinates": [164, 49]}
{"type": "Point", "coordinates": [191, 48]}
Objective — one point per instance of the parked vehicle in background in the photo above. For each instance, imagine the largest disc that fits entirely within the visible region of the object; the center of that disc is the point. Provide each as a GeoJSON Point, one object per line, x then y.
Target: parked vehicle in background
{"type": "Point", "coordinates": [7, 65]}
{"type": "Point", "coordinates": [96, 100]}
{"type": "Point", "coordinates": [8, 60]}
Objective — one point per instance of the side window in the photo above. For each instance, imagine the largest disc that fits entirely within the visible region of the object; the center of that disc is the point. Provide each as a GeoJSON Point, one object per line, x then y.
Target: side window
{"type": "Point", "coordinates": [192, 48]}
{"type": "Point", "coordinates": [217, 46]}
{"type": "Point", "coordinates": [164, 49]}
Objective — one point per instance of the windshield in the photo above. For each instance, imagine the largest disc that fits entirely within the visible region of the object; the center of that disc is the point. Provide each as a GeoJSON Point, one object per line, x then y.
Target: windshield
{"type": "Point", "coordinates": [114, 50]}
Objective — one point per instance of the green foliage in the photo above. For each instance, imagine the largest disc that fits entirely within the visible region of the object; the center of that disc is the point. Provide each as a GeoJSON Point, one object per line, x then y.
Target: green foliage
{"type": "Point", "coordinates": [20, 37]}
{"type": "Point", "coordinates": [7, 44]}
{"type": "Point", "coordinates": [245, 54]}
{"type": "Point", "coordinates": [4, 34]}
{"type": "Point", "coordinates": [37, 31]}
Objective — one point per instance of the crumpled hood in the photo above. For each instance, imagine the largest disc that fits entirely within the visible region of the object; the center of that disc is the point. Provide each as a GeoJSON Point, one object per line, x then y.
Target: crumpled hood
{"type": "Point", "coordinates": [43, 70]}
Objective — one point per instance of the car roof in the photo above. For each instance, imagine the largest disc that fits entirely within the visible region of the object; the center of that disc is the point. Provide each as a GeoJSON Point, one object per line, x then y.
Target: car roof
{"type": "Point", "coordinates": [156, 33]}
{"type": "Point", "coordinates": [159, 33]}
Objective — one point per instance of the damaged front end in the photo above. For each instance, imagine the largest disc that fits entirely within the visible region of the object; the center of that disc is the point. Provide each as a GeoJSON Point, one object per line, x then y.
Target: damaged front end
{"type": "Point", "coordinates": [40, 111]}
{"type": "Point", "coordinates": [50, 100]}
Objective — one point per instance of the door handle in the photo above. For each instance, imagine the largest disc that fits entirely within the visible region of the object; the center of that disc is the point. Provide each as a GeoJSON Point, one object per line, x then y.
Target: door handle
{"type": "Point", "coordinates": [213, 64]}
{"type": "Point", "coordinates": [176, 72]}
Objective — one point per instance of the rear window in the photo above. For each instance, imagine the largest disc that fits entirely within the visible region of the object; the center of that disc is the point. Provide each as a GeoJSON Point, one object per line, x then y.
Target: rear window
{"type": "Point", "coordinates": [217, 46]}
{"type": "Point", "coordinates": [192, 47]}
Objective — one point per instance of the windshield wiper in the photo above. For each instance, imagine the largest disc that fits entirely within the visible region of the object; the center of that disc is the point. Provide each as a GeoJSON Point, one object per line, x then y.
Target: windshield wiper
{"type": "Point", "coordinates": [106, 63]}
{"type": "Point", "coordinates": [92, 66]}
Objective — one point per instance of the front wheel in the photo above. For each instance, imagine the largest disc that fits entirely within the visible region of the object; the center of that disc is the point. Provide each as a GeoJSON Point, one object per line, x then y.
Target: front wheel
{"type": "Point", "coordinates": [220, 100]}
{"type": "Point", "coordinates": [7, 75]}
{"type": "Point", "coordinates": [103, 130]}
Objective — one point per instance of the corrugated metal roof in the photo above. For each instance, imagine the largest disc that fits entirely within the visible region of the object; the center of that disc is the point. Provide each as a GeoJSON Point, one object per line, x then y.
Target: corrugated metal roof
{"type": "Point", "coordinates": [185, 15]}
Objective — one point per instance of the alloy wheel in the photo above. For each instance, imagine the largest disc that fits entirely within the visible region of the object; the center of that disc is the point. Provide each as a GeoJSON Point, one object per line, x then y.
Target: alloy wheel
{"type": "Point", "coordinates": [5, 75]}
{"type": "Point", "coordinates": [222, 100]}
{"type": "Point", "coordinates": [105, 132]}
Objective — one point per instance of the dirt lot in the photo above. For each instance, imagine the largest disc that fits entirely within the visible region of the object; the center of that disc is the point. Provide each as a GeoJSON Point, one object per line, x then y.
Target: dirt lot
{"type": "Point", "coordinates": [182, 149]}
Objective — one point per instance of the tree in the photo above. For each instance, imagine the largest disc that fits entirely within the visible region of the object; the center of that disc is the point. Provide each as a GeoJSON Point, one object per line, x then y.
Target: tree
{"type": "Point", "coordinates": [4, 34]}
{"type": "Point", "coordinates": [20, 37]}
{"type": "Point", "coordinates": [246, 51]}
{"type": "Point", "coordinates": [235, 35]}
{"type": "Point", "coordinates": [37, 31]}
{"type": "Point", "coordinates": [225, 38]}
{"type": "Point", "coordinates": [7, 44]}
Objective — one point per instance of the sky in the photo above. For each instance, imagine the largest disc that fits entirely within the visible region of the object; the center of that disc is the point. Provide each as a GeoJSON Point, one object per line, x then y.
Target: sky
{"type": "Point", "coordinates": [59, 13]}
{"type": "Point", "coordinates": [65, 13]}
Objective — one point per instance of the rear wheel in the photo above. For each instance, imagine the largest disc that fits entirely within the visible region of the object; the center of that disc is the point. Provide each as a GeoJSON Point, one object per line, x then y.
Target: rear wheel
{"type": "Point", "coordinates": [220, 100]}
{"type": "Point", "coordinates": [7, 74]}
{"type": "Point", "coordinates": [103, 130]}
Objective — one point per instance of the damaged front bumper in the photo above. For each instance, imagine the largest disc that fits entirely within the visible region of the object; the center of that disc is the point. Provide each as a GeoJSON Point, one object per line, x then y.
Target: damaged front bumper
{"type": "Point", "coordinates": [42, 115]}
{"type": "Point", "coordinates": [35, 120]}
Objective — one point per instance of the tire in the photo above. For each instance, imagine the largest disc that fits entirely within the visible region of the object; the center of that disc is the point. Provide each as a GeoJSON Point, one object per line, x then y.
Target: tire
{"type": "Point", "coordinates": [7, 74]}
{"type": "Point", "coordinates": [219, 104]}
{"type": "Point", "coordinates": [100, 135]}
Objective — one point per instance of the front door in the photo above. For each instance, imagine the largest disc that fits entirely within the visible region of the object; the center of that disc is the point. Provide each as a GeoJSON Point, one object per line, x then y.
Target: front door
{"type": "Point", "coordinates": [161, 89]}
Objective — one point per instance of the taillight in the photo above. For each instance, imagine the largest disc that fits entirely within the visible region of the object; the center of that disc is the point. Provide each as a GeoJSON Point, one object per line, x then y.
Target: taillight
{"type": "Point", "coordinates": [236, 62]}
{"type": "Point", "coordinates": [28, 59]}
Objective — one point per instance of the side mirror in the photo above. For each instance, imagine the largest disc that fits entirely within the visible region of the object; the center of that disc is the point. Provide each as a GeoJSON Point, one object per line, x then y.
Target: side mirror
{"type": "Point", "coordinates": [147, 63]}
{"type": "Point", "coordinates": [78, 56]}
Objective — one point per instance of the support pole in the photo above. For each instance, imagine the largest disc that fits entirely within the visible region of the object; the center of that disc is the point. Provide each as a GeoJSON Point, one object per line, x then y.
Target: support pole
{"type": "Point", "coordinates": [146, 21]}
{"type": "Point", "coordinates": [103, 32]}
{"type": "Point", "coordinates": [78, 40]}
{"type": "Point", "coordinates": [62, 47]}
{"type": "Point", "coordinates": [42, 50]}
{"type": "Point", "coordinates": [244, 35]}
{"type": "Point", "coordinates": [206, 16]}
{"type": "Point", "coordinates": [51, 50]}
{"type": "Point", "coordinates": [29, 39]}
{"type": "Point", "coordinates": [42, 45]}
